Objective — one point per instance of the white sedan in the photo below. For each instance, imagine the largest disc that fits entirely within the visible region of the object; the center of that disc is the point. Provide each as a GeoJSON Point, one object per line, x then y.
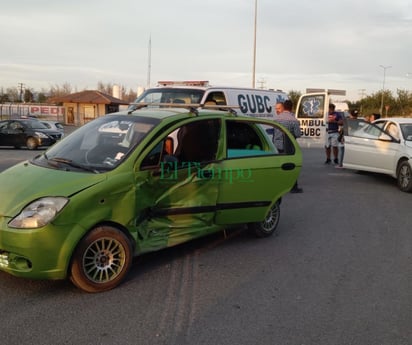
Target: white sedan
{"type": "Point", "coordinates": [384, 146]}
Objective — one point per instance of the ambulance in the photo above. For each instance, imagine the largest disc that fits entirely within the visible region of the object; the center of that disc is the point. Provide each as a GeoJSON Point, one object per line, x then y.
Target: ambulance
{"type": "Point", "coordinates": [244, 101]}
{"type": "Point", "coordinates": [312, 113]}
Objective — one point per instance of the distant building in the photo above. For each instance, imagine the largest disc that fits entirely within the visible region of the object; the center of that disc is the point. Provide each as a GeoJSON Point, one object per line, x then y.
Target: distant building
{"type": "Point", "coordinates": [84, 106]}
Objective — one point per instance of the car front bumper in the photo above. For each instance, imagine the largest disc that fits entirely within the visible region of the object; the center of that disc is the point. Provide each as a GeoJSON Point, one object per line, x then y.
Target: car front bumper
{"type": "Point", "coordinates": [37, 253]}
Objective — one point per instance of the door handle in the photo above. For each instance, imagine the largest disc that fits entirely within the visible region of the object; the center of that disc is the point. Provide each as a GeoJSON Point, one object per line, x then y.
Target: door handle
{"type": "Point", "coordinates": [288, 166]}
{"type": "Point", "coordinates": [206, 173]}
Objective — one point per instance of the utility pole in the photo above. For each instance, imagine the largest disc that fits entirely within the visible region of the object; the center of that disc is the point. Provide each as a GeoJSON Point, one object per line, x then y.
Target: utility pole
{"type": "Point", "coordinates": [362, 94]}
{"type": "Point", "coordinates": [383, 86]}
{"type": "Point", "coordinates": [262, 83]}
{"type": "Point", "coordinates": [149, 67]}
{"type": "Point", "coordinates": [21, 86]}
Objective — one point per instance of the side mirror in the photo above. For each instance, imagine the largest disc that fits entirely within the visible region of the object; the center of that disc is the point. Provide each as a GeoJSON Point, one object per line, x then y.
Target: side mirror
{"type": "Point", "coordinates": [385, 137]}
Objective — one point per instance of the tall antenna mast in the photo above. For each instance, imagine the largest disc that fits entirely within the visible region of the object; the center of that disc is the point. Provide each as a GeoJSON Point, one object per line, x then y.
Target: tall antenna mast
{"type": "Point", "coordinates": [149, 61]}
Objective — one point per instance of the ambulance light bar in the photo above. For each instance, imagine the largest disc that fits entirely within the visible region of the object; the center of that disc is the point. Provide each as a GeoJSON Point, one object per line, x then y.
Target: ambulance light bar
{"type": "Point", "coordinates": [183, 83]}
{"type": "Point", "coordinates": [328, 91]}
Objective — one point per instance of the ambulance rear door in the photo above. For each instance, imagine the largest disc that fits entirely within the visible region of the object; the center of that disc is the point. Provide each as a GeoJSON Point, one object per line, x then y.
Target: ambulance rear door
{"type": "Point", "coordinates": [311, 112]}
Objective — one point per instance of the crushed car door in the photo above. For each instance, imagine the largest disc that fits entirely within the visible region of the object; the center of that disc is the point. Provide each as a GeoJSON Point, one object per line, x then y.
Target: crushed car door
{"type": "Point", "coordinates": [177, 199]}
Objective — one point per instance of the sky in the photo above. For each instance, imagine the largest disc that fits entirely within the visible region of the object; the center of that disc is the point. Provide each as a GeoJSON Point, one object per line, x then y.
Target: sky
{"type": "Point", "coordinates": [360, 46]}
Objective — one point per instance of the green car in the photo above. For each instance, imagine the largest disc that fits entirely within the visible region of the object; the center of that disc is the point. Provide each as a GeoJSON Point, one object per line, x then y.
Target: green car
{"type": "Point", "coordinates": [138, 181]}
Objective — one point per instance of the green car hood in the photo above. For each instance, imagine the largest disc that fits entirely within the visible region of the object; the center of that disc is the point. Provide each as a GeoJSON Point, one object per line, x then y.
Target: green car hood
{"type": "Point", "coordinates": [25, 182]}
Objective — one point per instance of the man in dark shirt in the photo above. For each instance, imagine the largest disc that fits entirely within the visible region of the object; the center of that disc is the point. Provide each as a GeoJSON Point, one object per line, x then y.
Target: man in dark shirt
{"type": "Point", "coordinates": [334, 121]}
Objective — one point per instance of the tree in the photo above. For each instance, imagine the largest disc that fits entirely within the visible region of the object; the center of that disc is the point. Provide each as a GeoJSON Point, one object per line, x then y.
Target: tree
{"type": "Point", "coordinates": [128, 96]}
{"type": "Point", "coordinates": [399, 105]}
{"type": "Point", "coordinates": [13, 93]}
{"type": "Point", "coordinates": [105, 88]}
{"type": "Point", "coordinates": [4, 97]}
{"type": "Point", "coordinates": [294, 96]}
{"type": "Point", "coordinates": [58, 91]}
{"type": "Point", "coordinates": [28, 96]}
{"type": "Point", "coordinates": [404, 102]}
{"type": "Point", "coordinates": [131, 96]}
{"type": "Point", "coordinates": [41, 98]}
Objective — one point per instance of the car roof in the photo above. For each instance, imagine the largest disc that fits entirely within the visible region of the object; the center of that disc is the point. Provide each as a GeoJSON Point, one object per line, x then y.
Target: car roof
{"type": "Point", "coordinates": [395, 119]}
{"type": "Point", "coordinates": [175, 112]}
{"type": "Point", "coordinates": [25, 120]}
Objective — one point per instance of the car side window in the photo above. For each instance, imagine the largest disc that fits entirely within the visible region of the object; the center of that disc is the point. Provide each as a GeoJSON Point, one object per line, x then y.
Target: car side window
{"type": "Point", "coordinates": [15, 125]}
{"type": "Point", "coordinates": [192, 143]}
{"type": "Point", "coordinates": [3, 126]}
{"type": "Point", "coordinates": [245, 139]}
{"type": "Point", "coordinates": [217, 97]}
{"type": "Point", "coordinates": [407, 131]}
{"type": "Point", "coordinates": [369, 131]}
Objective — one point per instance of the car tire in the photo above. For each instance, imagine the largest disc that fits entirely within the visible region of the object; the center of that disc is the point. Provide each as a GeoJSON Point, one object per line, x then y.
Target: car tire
{"type": "Point", "coordinates": [268, 226]}
{"type": "Point", "coordinates": [31, 143]}
{"type": "Point", "coordinates": [101, 260]}
{"type": "Point", "coordinates": [404, 177]}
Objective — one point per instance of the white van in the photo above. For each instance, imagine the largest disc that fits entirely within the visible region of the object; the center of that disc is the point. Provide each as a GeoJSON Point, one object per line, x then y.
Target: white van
{"type": "Point", "coordinates": [245, 101]}
{"type": "Point", "coordinates": [312, 113]}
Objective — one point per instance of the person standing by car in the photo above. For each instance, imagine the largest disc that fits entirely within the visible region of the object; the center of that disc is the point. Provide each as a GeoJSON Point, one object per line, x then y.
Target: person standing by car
{"type": "Point", "coordinates": [350, 125]}
{"type": "Point", "coordinates": [286, 118]}
{"type": "Point", "coordinates": [331, 145]}
{"type": "Point", "coordinates": [341, 148]}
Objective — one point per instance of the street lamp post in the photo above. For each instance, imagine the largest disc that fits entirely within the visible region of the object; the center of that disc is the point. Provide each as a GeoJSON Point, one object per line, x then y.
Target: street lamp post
{"type": "Point", "coordinates": [383, 86]}
{"type": "Point", "coordinates": [254, 49]}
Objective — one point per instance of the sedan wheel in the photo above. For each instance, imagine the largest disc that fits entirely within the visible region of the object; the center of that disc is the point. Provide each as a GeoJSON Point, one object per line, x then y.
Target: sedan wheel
{"type": "Point", "coordinates": [268, 226]}
{"type": "Point", "coordinates": [31, 143]}
{"type": "Point", "coordinates": [102, 260]}
{"type": "Point", "coordinates": [405, 177]}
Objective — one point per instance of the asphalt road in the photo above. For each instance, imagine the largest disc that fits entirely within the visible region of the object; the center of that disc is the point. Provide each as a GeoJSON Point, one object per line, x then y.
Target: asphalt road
{"type": "Point", "coordinates": [338, 272]}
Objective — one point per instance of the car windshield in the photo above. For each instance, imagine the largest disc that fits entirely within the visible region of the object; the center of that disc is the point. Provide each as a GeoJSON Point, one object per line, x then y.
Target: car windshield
{"type": "Point", "coordinates": [170, 95]}
{"type": "Point", "coordinates": [99, 145]}
{"type": "Point", "coordinates": [406, 129]}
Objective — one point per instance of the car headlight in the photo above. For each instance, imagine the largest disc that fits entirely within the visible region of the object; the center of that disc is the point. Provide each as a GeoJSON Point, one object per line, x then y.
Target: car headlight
{"type": "Point", "coordinates": [41, 135]}
{"type": "Point", "coordinates": [38, 213]}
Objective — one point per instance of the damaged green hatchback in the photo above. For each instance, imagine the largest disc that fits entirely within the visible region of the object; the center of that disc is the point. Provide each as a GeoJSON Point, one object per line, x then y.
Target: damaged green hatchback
{"type": "Point", "coordinates": [133, 182]}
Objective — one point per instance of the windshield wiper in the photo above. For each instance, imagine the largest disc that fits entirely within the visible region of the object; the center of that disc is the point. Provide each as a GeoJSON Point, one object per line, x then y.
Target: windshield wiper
{"type": "Point", "coordinates": [69, 162]}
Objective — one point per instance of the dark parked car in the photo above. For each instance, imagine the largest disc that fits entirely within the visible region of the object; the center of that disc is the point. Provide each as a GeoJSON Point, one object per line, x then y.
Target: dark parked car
{"type": "Point", "coordinates": [27, 132]}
